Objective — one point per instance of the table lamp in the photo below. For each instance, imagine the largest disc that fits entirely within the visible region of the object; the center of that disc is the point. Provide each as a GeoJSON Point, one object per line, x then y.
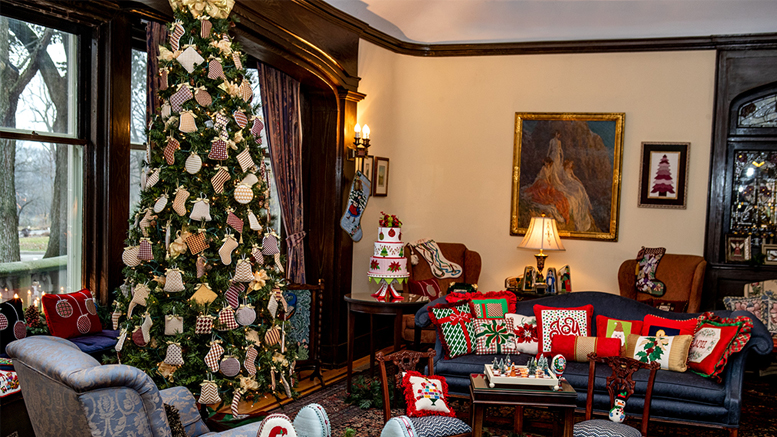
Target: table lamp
{"type": "Point", "coordinates": [543, 235]}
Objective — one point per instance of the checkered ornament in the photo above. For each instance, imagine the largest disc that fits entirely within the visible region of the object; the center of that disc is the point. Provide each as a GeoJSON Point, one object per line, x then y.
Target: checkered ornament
{"type": "Point", "coordinates": [235, 221]}
{"type": "Point", "coordinates": [160, 203]}
{"type": "Point", "coordinates": [197, 242]}
{"type": "Point", "coordinates": [145, 253]}
{"type": "Point", "coordinates": [203, 97]}
{"type": "Point", "coordinates": [237, 61]}
{"type": "Point", "coordinates": [227, 319]}
{"type": "Point", "coordinates": [250, 360]}
{"type": "Point", "coordinates": [243, 272]}
{"type": "Point", "coordinates": [213, 355]}
{"type": "Point", "coordinates": [180, 97]}
{"type": "Point", "coordinates": [174, 281]}
{"type": "Point", "coordinates": [215, 70]}
{"type": "Point", "coordinates": [204, 324]}
{"type": "Point", "coordinates": [218, 149]}
{"type": "Point", "coordinates": [130, 256]}
{"type": "Point", "coordinates": [270, 245]}
{"type": "Point", "coordinates": [174, 356]}
{"type": "Point", "coordinates": [245, 315]}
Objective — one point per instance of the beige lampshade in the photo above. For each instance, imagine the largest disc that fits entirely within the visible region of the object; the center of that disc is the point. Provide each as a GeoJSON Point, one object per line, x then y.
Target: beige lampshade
{"type": "Point", "coordinates": [542, 234]}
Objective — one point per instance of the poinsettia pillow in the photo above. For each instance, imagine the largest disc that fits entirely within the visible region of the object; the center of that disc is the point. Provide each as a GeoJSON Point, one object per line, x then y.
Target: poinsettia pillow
{"type": "Point", "coordinates": [494, 336]}
{"type": "Point", "coordinates": [426, 395]}
{"type": "Point", "coordinates": [524, 332]}
{"type": "Point", "coordinates": [564, 321]}
{"type": "Point", "coordinates": [454, 328]}
{"type": "Point", "coordinates": [715, 340]}
{"type": "Point", "coordinates": [70, 315]}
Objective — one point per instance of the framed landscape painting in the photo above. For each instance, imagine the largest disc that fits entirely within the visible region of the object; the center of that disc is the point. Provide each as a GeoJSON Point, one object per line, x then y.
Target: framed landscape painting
{"type": "Point", "coordinates": [568, 166]}
{"type": "Point", "coordinates": [663, 179]}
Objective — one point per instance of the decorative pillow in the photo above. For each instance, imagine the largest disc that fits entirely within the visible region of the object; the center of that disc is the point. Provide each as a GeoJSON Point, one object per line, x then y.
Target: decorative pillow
{"type": "Point", "coordinates": [754, 304]}
{"type": "Point", "coordinates": [509, 296]}
{"type": "Point", "coordinates": [427, 287]}
{"type": "Point", "coordinates": [651, 325]}
{"type": "Point", "coordinates": [715, 340]}
{"type": "Point", "coordinates": [670, 351]}
{"type": "Point", "coordinates": [494, 336]}
{"type": "Point", "coordinates": [71, 315]}
{"type": "Point", "coordinates": [488, 308]}
{"type": "Point", "coordinates": [564, 321]}
{"type": "Point", "coordinates": [614, 328]}
{"type": "Point", "coordinates": [312, 421]}
{"type": "Point", "coordinates": [454, 326]}
{"type": "Point", "coordinates": [12, 326]}
{"type": "Point", "coordinates": [771, 313]}
{"type": "Point", "coordinates": [673, 306]}
{"type": "Point", "coordinates": [426, 395]}
{"type": "Point", "coordinates": [577, 348]}
{"type": "Point", "coordinates": [276, 425]}
{"type": "Point", "coordinates": [525, 333]}
{"type": "Point", "coordinates": [9, 383]}
{"type": "Point", "coordinates": [647, 264]}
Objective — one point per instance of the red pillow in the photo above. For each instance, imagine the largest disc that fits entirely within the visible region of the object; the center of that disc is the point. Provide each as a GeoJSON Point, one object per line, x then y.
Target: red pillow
{"type": "Point", "coordinates": [652, 324]}
{"type": "Point", "coordinates": [564, 321]}
{"type": "Point", "coordinates": [576, 348]}
{"type": "Point", "coordinates": [474, 296]}
{"type": "Point", "coordinates": [716, 339]}
{"type": "Point", "coordinates": [607, 327]}
{"type": "Point", "coordinates": [71, 315]}
{"type": "Point", "coordinates": [426, 395]}
{"type": "Point", "coordinates": [427, 287]}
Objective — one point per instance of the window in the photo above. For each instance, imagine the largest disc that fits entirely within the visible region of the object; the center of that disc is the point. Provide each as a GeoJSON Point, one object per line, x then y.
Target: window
{"type": "Point", "coordinates": [40, 206]}
{"type": "Point", "coordinates": [137, 124]}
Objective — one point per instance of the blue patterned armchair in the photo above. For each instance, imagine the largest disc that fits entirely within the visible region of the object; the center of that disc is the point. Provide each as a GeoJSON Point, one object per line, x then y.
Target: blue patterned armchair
{"type": "Point", "coordinates": [67, 392]}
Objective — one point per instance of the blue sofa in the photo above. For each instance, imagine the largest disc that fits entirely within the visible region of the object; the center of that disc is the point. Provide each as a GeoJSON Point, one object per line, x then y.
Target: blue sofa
{"type": "Point", "coordinates": [677, 397]}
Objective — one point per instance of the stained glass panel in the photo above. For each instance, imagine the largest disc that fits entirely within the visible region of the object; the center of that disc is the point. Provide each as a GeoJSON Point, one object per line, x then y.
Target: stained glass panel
{"type": "Point", "coordinates": [754, 196]}
{"type": "Point", "coordinates": [759, 113]}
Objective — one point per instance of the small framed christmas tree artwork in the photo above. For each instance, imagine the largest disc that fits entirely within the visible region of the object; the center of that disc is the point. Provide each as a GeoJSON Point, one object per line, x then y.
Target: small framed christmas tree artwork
{"type": "Point", "coordinates": [663, 179]}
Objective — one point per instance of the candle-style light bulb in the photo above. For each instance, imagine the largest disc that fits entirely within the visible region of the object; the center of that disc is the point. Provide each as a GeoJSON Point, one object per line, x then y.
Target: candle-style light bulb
{"type": "Point", "coordinates": [16, 295]}
{"type": "Point", "coordinates": [366, 132]}
{"type": "Point", "coordinates": [357, 131]}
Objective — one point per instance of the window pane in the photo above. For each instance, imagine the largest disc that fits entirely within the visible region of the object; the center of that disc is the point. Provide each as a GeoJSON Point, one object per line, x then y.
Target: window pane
{"type": "Point", "coordinates": [136, 167]}
{"type": "Point", "coordinates": [40, 241]}
{"type": "Point", "coordinates": [37, 96]}
{"type": "Point", "coordinates": [138, 104]}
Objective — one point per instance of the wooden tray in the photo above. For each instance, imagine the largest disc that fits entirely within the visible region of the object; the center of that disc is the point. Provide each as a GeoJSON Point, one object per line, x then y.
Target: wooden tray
{"type": "Point", "coordinates": [512, 380]}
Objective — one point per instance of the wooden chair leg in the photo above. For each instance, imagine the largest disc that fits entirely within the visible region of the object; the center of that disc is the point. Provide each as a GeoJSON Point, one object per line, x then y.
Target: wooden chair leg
{"type": "Point", "coordinates": [733, 432]}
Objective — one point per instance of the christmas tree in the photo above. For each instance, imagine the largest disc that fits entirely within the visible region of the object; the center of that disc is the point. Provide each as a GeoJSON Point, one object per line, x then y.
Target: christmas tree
{"type": "Point", "coordinates": [202, 302]}
{"type": "Point", "coordinates": [662, 183]}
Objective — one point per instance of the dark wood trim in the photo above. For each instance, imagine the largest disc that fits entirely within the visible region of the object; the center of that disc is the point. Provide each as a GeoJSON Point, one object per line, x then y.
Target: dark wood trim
{"type": "Point", "coordinates": [368, 33]}
{"type": "Point", "coordinates": [62, 15]}
{"type": "Point", "coordinates": [21, 136]}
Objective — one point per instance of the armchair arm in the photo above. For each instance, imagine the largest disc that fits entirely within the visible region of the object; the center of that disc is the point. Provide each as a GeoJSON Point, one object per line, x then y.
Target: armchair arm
{"type": "Point", "coordinates": [472, 266]}
{"type": "Point", "coordinates": [694, 297]}
{"type": "Point", "coordinates": [627, 278]}
{"type": "Point", "coordinates": [422, 319]}
{"type": "Point", "coordinates": [182, 399]}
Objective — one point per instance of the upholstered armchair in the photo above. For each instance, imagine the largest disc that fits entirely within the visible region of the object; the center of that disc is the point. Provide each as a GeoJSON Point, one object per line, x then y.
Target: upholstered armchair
{"type": "Point", "coordinates": [67, 392]}
{"type": "Point", "coordinates": [470, 263]}
{"type": "Point", "coordinates": [683, 276]}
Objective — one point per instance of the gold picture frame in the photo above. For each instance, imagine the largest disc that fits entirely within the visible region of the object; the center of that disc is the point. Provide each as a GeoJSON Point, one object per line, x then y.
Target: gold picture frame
{"type": "Point", "coordinates": [568, 166]}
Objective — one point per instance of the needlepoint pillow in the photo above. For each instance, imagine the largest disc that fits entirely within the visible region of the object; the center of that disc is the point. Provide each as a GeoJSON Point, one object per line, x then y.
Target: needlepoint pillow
{"type": "Point", "coordinates": [454, 327]}
{"type": "Point", "coordinates": [576, 348]}
{"type": "Point", "coordinates": [614, 328]}
{"type": "Point", "coordinates": [426, 395]}
{"type": "Point", "coordinates": [488, 308]}
{"type": "Point", "coordinates": [427, 287]}
{"type": "Point", "coordinates": [754, 304]}
{"type": "Point", "coordinates": [12, 326]}
{"type": "Point", "coordinates": [494, 336]}
{"type": "Point", "coordinates": [669, 351]}
{"type": "Point", "coordinates": [525, 333]}
{"type": "Point", "coordinates": [71, 315]}
{"type": "Point", "coordinates": [653, 325]}
{"type": "Point", "coordinates": [716, 339]}
{"type": "Point", "coordinates": [476, 296]}
{"type": "Point", "coordinates": [564, 321]}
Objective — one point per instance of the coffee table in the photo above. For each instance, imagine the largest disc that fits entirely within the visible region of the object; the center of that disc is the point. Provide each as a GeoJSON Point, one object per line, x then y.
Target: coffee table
{"type": "Point", "coordinates": [482, 396]}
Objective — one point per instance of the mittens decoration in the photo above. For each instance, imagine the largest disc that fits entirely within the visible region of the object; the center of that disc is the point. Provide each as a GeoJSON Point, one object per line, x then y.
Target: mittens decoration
{"type": "Point", "coordinates": [256, 127]}
{"type": "Point", "coordinates": [174, 281]}
{"type": "Point", "coordinates": [137, 337]}
{"type": "Point", "coordinates": [174, 356]}
{"type": "Point", "coordinates": [272, 336]}
{"type": "Point", "coordinates": [250, 180]}
{"type": "Point", "coordinates": [147, 222]}
{"type": "Point", "coordinates": [213, 356]}
{"type": "Point", "coordinates": [130, 256]}
{"type": "Point", "coordinates": [173, 325]}
{"type": "Point", "coordinates": [227, 319]}
{"type": "Point", "coordinates": [145, 327]}
{"type": "Point", "coordinates": [145, 253]}
{"type": "Point", "coordinates": [204, 324]}
{"type": "Point", "coordinates": [230, 244]}
{"type": "Point", "coordinates": [202, 96]}
{"type": "Point", "coordinates": [209, 394]}
{"type": "Point", "coordinates": [116, 316]}
{"type": "Point", "coordinates": [218, 149]}
{"type": "Point", "coordinates": [179, 203]}
{"type": "Point", "coordinates": [201, 210]}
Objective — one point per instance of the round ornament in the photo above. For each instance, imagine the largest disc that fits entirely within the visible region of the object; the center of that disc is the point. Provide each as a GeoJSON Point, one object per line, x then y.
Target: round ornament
{"type": "Point", "coordinates": [64, 309]}
{"type": "Point", "coordinates": [83, 323]}
{"type": "Point", "coordinates": [90, 306]}
{"type": "Point", "coordinates": [3, 322]}
{"type": "Point", "coordinates": [19, 330]}
{"type": "Point", "coordinates": [245, 315]}
{"type": "Point", "coordinates": [160, 204]}
{"type": "Point", "coordinates": [193, 163]}
{"type": "Point", "coordinates": [243, 193]}
{"type": "Point", "coordinates": [558, 364]}
{"type": "Point", "coordinates": [230, 366]}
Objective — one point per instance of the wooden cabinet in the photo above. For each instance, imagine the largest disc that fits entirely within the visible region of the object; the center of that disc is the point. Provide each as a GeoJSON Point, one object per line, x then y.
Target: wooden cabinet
{"type": "Point", "coordinates": [742, 205]}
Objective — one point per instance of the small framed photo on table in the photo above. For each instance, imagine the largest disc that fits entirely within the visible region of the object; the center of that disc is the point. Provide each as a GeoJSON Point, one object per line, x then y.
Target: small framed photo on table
{"type": "Point", "coordinates": [528, 279]}
{"type": "Point", "coordinates": [770, 254]}
{"type": "Point", "coordinates": [663, 179]}
{"type": "Point", "coordinates": [737, 248]}
{"type": "Point", "coordinates": [380, 174]}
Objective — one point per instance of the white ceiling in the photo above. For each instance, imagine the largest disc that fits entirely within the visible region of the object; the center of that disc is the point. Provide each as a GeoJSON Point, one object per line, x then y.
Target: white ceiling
{"type": "Point", "coordinates": [481, 21]}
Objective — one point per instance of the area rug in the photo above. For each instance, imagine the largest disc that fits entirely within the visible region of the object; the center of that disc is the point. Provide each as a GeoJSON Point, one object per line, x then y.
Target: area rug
{"type": "Point", "coordinates": [759, 414]}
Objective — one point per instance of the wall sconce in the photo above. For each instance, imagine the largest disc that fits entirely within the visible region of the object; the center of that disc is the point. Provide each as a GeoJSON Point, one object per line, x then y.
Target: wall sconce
{"type": "Point", "coordinates": [361, 143]}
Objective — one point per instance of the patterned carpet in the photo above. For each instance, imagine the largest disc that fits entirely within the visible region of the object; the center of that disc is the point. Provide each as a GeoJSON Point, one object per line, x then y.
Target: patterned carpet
{"type": "Point", "coordinates": [759, 418]}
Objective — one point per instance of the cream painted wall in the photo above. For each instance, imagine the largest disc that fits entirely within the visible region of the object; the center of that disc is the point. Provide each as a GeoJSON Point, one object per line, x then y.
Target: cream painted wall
{"type": "Point", "coordinates": [446, 124]}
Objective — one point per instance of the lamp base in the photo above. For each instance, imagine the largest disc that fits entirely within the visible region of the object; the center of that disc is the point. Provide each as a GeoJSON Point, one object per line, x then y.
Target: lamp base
{"type": "Point", "coordinates": [540, 257]}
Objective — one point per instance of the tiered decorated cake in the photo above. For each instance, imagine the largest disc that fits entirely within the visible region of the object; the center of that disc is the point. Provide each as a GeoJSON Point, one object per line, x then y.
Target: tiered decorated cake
{"type": "Point", "coordinates": [388, 262]}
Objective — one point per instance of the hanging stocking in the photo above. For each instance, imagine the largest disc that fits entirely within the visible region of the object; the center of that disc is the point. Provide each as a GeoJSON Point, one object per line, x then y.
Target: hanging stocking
{"type": "Point", "coordinates": [357, 201]}
{"type": "Point", "coordinates": [243, 194]}
{"type": "Point", "coordinates": [232, 295]}
{"type": "Point", "coordinates": [229, 246]}
{"type": "Point", "coordinates": [213, 356]}
{"type": "Point", "coordinates": [235, 402]}
{"type": "Point", "coordinates": [145, 328]}
{"type": "Point", "coordinates": [215, 69]}
{"type": "Point", "coordinates": [250, 180]}
{"type": "Point", "coordinates": [227, 319]}
{"type": "Point", "coordinates": [250, 360]}
{"type": "Point", "coordinates": [169, 153]}
{"type": "Point", "coordinates": [189, 58]}
{"type": "Point", "coordinates": [230, 366]}
{"type": "Point", "coordinates": [200, 264]}
{"type": "Point", "coordinates": [173, 281]}
{"type": "Point", "coordinates": [146, 222]}
{"type": "Point", "coordinates": [209, 394]}
{"type": "Point", "coordinates": [244, 158]}
{"type": "Point", "coordinates": [286, 386]}
{"type": "Point", "coordinates": [130, 256]}
{"type": "Point", "coordinates": [173, 324]}
{"type": "Point", "coordinates": [139, 297]}
{"type": "Point", "coordinates": [197, 242]}
{"type": "Point", "coordinates": [218, 149]}
{"type": "Point", "coordinates": [137, 337]}
{"type": "Point", "coordinates": [116, 316]}
{"type": "Point", "coordinates": [201, 210]}
{"type": "Point", "coordinates": [240, 118]}
{"type": "Point", "coordinates": [186, 123]}
{"type": "Point", "coordinates": [256, 127]}
{"type": "Point", "coordinates": [174, 356]}
{"type": "Point", "coordinates": [160, 203]}
{"type": "Point", "coordinates": [218, 180]}
{"type": "Point", "coordinates": [179, 203]}
{"type": "Point", "coordinates": [246, 92]}
{"type": "Point", "coordinates": [180, 97]}
{"type": "Point", "coordinates": [175, 35]}
{"type": "Point", "coordinates": [153, 178]}
{"type": "Point", "coordinates": [120, 342]}
{"type": "Point", "coordinates": [236, 60]}
{"type": "Point", "coordinates": [204, 324]}
{"type": "Point", "coordinates": [163, 82]}
{"type": "Point", "coordinates": [253, 222]}
{"type": "Point", "coordinates": [221, 120]}
{"type": "Point", "coordinates": [204, 294]}
{"type": "Point", "coordinates": [145, 253]}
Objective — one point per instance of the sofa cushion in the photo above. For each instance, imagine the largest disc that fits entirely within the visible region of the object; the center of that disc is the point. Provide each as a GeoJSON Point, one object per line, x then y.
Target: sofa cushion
{"type": "Point", "coordinates": [652, 324]}
{"type": "Point", "coordinates": [525, 331]}
{"type": "Point", "coordinates": [454, 327]}
{"type": "Point", "coordinates": [715, 340]}
{"type": "Point", "coordinates": [102, 341]}
{"type": "Point", "coordinates": [494, 336]}
{"type": "Point", "coordinates": [71, 315]}
{"type": "Point", "coordinates": [670, 351]}
{"type": "Point", "coordinates": [577, 348]}
{"type": "Point", "coordinates": [566, 321]}
{"type": "Point", "coordinates": [477, 296]}
{"type": "Point", "coordinates": [608, 327]}
{"type": "Point", "coordinates": [426, 395]}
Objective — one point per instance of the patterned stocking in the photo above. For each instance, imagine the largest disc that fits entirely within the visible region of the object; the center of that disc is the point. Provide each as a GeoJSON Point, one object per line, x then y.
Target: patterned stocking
{"type": "Point", "coordinates": [213, 356]}
{"type": "Point", "coordinates": [229, 246]}
{"type": "Point", "coordinates": [251, 355]}
{"type": "Point", "coordinates": [357, 200]}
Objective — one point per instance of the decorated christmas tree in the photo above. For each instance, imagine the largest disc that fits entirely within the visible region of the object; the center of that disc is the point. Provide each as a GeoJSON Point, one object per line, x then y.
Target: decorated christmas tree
{"type": "Point", "coordinates": [202, 303]}
{"type": "Point", "coordinates": [662, 183]}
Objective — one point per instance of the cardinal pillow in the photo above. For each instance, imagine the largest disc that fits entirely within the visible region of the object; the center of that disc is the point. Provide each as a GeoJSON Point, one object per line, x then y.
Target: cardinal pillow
{"type": "Point", "coordinates": [564, 321]}
{"type": "Point", "coordinates": [715, 340]}
{"type": "Point", "coordinates": [614, 328]}
{"type": "Point", "coordinates": [426, 395]}
{"type": "Point", "coordinates": [71, 315]}
{"type": "Point", "coordinates": [654, 325]}
{"type": "Point", "coordinates": [276, 425]}
{"type": "Point", "coordinates": [524, 332]}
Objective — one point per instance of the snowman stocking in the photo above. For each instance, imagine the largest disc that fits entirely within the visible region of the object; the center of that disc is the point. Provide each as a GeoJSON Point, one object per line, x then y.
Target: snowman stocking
{"type": "Point", "coordinates": [357, 200]}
